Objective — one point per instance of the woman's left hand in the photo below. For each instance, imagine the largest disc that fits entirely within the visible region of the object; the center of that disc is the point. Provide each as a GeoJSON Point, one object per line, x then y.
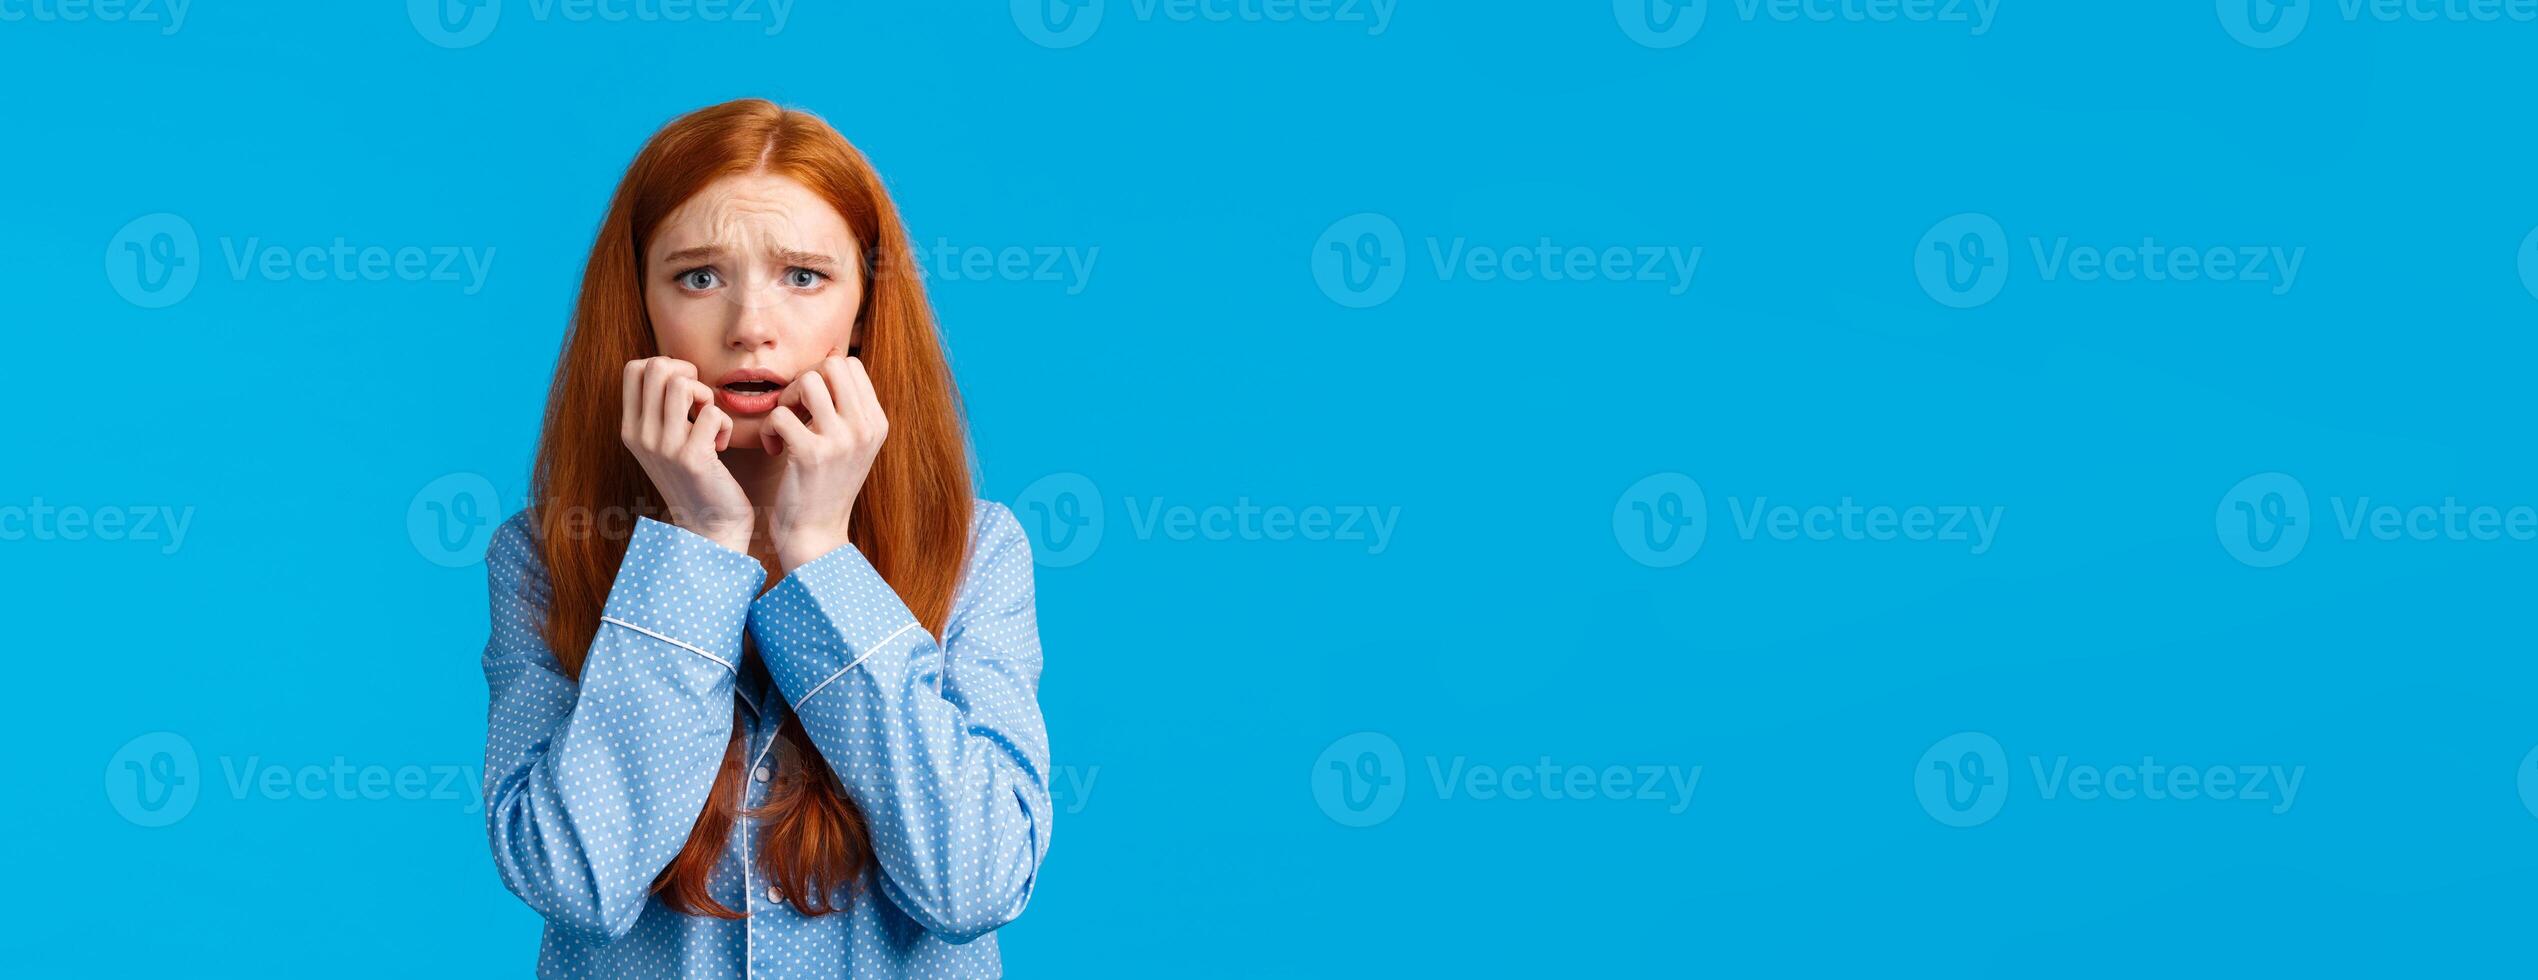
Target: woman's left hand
{"type": "Point", "coordinates": [825, 459]}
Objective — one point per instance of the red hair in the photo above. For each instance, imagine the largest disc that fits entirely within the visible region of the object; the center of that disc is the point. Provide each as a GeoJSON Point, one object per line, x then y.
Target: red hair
{"type": "Point", "coordinates": [911, 520]}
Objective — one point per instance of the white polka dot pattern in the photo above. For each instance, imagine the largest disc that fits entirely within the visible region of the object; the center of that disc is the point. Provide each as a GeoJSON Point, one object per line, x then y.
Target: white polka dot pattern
{"type": "Point", "coordinates": [592, 789]}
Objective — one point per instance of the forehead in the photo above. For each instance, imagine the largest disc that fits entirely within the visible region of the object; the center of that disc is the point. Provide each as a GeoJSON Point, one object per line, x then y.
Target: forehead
{"type": "Point", "coordinates": [755, 213]}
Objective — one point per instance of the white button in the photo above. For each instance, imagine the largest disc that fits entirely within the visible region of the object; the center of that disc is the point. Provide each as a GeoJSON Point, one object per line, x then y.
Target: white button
{"type": "Point", "coordinates": [762, 774]}
{"type": "Point", "coordinates": [775, 894]}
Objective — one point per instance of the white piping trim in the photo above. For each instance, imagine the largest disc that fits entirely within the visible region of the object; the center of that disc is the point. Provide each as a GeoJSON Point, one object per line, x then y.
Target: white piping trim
{"type": "Point", "coordinates": [841, 671]}
{"type": "Point", "coordinates": [761, 760]}
{"type": "Point", "coordinates": [683, 646]}
{"type": "Point", "coordinates": [748, 892]}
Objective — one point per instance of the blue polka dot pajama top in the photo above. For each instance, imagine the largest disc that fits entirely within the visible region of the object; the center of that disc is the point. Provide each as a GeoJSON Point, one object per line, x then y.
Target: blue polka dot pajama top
{"type": "Point", "coordinates": [592, 787]}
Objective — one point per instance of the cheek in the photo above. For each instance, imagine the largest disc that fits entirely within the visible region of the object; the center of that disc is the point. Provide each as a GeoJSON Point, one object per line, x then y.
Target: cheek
{"type": "Point", "coordinates": [829, 319]}
{"type": "Point", "coordinates": [677, 329]}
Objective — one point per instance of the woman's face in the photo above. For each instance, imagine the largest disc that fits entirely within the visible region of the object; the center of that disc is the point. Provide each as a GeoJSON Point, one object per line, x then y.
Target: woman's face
{"type": "Point", "coordinates": [753, 280]}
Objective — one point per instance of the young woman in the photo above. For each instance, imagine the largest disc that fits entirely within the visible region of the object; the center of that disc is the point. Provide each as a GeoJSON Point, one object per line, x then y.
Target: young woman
{"type": "Point", "coordinates": [846, 775]}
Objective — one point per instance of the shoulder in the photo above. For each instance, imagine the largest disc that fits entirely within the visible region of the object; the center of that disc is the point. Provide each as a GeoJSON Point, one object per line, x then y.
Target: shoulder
{"type": "Point", "coordinates": [513, 555]}
{"type": "Point", "coordinates": [999, 554]}
{"type": "Point", "coordinates": [992, 525]}
{"type": "Point", "coordinates": [517, 534]}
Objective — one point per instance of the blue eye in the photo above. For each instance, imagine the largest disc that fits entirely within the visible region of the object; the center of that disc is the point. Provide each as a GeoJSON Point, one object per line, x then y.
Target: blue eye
{"type": "Point", "coordinates": [801, 278]}
{"type": "Point", "coordinates": [697, 279]}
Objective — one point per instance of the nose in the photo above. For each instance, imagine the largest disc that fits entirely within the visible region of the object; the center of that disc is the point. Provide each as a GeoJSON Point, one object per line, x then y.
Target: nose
{"type": "Point", "coordinates": [753, 328]}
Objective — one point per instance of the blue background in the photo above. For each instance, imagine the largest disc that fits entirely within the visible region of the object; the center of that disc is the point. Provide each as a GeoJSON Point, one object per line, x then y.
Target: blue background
{"type": "Point", "coordinates": [1193, 684]}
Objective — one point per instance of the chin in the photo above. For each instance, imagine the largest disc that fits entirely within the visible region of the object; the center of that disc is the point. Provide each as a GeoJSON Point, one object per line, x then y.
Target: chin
{"type": "Point", "coordinates": [744, 433]}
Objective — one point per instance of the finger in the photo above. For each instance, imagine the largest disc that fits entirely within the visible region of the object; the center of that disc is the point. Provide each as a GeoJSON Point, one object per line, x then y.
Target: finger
{"type": "Point", "coordinates": [815, 393]}
{"type": "Point", "coordinates": [677, 375]}
{"type": "Point", "coordinates": [711, 432]}
{"type": "Point", "coordinates": [839, 370]}
{"type": "Point", "coordinates": [858, 391]}
{"type": "Point", "coordinates": [682, 398]}
{"type": "Point", "coordinates": [782, 431]}
{"type": "Point", "coordinates": [656, 375]}
{"type": "Point", "coordinates": [694, 398]}
{"type": "Point", "coordinates": [630, 403]}
{"type": "Point", "coordinates": [792, 393]}
{"type": "Point", "coordinates": [669, 415]}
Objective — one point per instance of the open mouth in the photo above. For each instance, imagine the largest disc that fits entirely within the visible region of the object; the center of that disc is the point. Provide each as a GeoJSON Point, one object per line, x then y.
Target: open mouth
{"type": "Point", "coordinates": [748, 396]}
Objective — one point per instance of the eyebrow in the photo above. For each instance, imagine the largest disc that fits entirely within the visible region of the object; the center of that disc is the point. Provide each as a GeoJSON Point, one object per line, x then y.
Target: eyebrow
{"type": "Point", "coordinates": [789, 256]}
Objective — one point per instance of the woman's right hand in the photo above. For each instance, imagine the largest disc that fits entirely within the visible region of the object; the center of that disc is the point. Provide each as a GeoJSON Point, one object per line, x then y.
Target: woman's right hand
{"type": "Point", "coordinates": [679, 453]}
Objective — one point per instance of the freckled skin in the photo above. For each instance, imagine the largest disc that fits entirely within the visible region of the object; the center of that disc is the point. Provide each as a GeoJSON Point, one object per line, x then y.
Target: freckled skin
{"type": "Point", "coordinates": [755, 312]}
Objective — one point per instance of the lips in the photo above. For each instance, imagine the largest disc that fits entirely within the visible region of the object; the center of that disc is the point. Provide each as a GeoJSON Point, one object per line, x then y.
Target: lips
{"type": "Point", "coordinates": [749, 391]}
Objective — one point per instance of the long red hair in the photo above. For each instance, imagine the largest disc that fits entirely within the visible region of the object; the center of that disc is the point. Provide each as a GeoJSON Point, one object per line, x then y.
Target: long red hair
{"type": "Point", "coordinates": [911, 520]}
